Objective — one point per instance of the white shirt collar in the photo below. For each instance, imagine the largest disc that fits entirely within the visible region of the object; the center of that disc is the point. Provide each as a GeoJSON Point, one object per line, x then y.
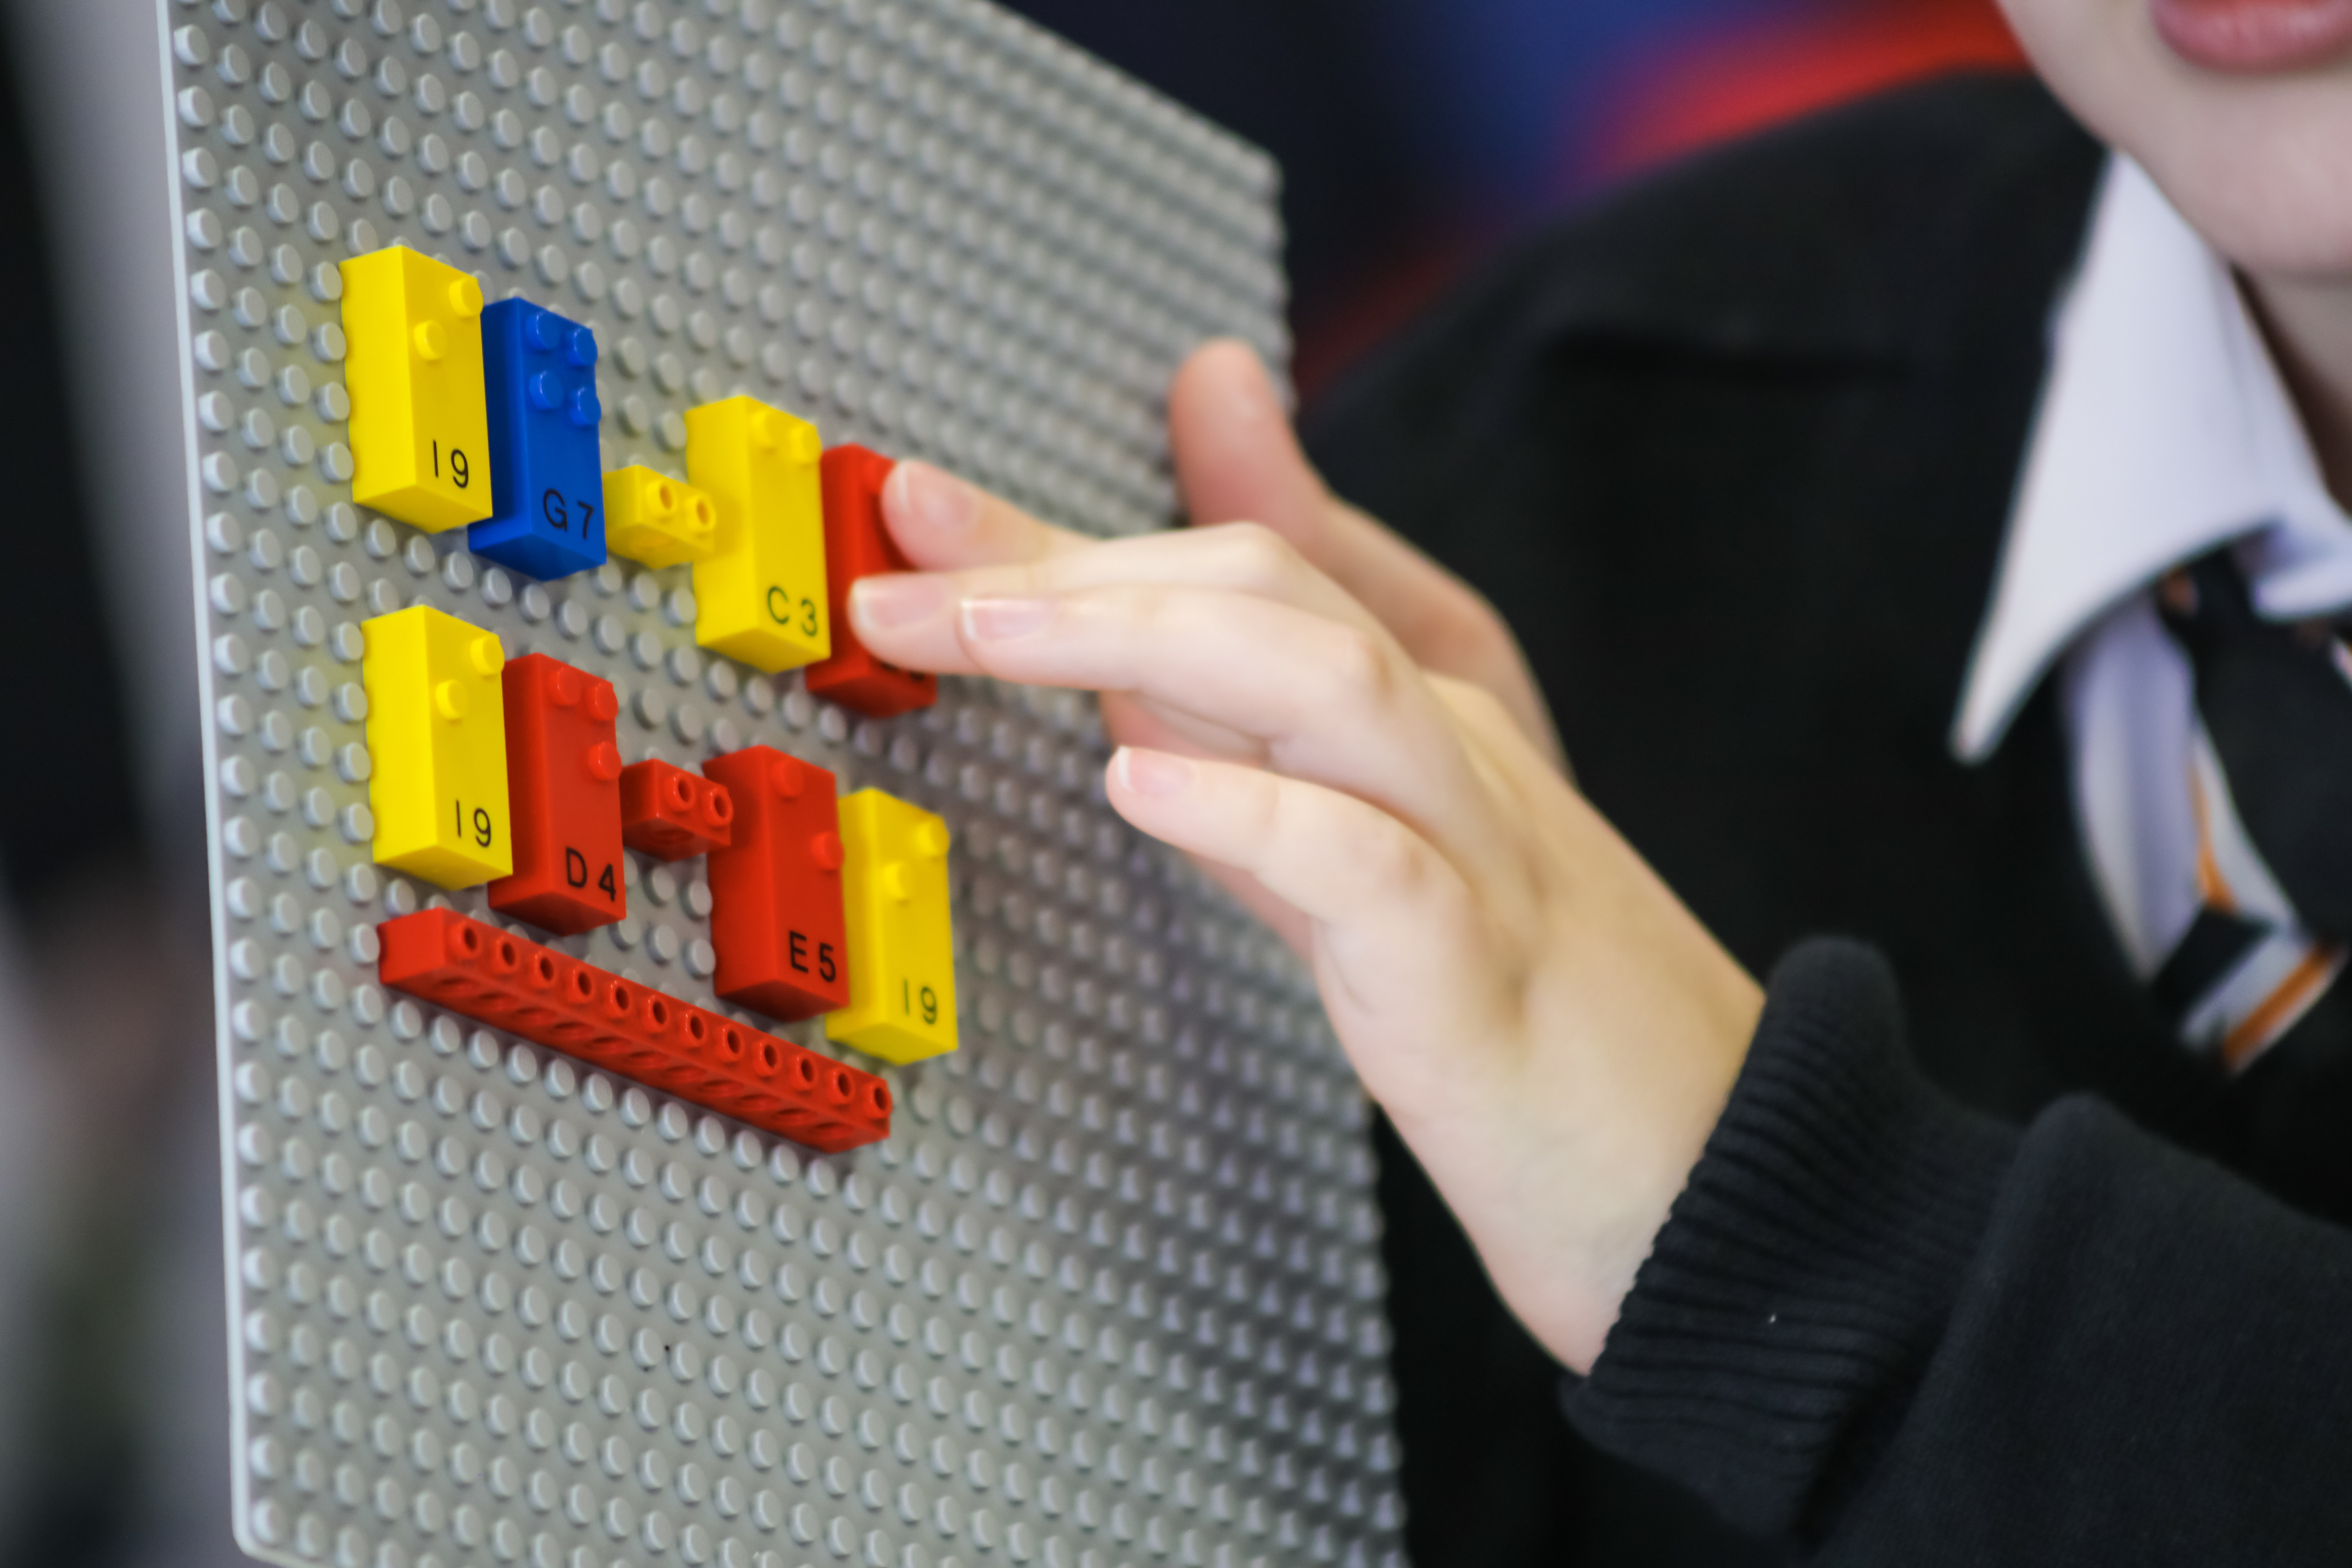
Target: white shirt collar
{"type": "Point", "coordinates": [2164, 430]}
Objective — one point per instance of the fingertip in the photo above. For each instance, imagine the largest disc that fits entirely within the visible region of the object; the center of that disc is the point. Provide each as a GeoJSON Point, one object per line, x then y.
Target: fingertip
{"type": "Point", "coordinates": [1151, 776]}
{"type": "Point", "coordinates": [1236, 454]}
{"type": "Point", "coordinates": [922, 503]}
{"type": "Point", "coordinates": [1160, 796]}
{"type": "Point", "coordinates": [1228, 354]}
{"type": "Point", "coordinates": [1225, 381]}
{"type": "Point", "coordinates": [1119, 794]}
{"type": "Point", "coordinates": [888, 601]}
{"type": "Point", "coordinates": [943, 521]}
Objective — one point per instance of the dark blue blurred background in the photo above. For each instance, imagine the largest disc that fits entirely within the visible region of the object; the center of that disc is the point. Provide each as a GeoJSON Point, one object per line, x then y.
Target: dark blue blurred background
{"type": "Point", "coordinates": [1414, 135]}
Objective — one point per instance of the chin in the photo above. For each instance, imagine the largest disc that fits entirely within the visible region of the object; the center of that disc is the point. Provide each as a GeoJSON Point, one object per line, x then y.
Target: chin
{"type": "Point", "coordinates": [2258, 160]}
{"type": "Point", "coordinates": [2264, 171]}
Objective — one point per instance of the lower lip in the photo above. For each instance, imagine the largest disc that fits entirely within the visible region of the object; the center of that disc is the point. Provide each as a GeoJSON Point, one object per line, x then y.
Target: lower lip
{"type": "Point", "coordinates": [2251, 36]}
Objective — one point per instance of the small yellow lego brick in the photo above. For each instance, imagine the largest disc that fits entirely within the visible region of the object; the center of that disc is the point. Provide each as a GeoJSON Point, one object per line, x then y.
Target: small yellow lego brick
{"type": "Point", "coordinates": [420, 427]}
{"type": "Point", "coordinates": [656, 521]}
{"type": "Point", "coordinates": [436, 734]}
{"type": "Point", "coordinates": [760, 596]}
{"type": "Point", "coordinates": [894, 886]}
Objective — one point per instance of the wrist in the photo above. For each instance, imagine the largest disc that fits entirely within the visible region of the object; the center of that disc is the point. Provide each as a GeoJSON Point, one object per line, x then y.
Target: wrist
{"type": "Point", "coordinates": [1811, 1262]}
{"type": "Point", "coordinates": [1566, 1175]}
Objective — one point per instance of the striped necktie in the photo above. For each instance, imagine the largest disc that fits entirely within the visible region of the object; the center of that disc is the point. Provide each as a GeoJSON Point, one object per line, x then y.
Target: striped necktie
{"type": "Point", "coordinates": [2275, 704]}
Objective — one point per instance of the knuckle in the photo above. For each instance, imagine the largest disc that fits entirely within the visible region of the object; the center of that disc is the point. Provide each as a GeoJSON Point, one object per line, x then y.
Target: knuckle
{"type": "Point", "coordinates": [1145, 608]}
{"type": "Point", "coordinates": [1390, 861]}
{"type": "Point", "coordinates": [1270, 809]}
{"type": "Point", "coordinates": [1358, 668]}
{"type": "Point", "coordinates": [1255, 556]}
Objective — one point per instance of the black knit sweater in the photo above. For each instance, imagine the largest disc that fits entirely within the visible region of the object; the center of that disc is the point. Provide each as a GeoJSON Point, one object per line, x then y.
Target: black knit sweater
{"type": "Point", "coordinates": [1905, 1333]}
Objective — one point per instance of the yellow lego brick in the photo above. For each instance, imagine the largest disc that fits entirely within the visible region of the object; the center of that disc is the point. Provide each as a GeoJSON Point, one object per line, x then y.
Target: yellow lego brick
{"type": "Point", "coordinates": [894, 886]}
{"type": "Point", "coordinates": [656, 521]}
{"type": "Point", "coordinates": [420, 430]}
{"type": "Point", "coordinates": [760, 596]}
{"type": "Point", "coordinates": [436, 731]}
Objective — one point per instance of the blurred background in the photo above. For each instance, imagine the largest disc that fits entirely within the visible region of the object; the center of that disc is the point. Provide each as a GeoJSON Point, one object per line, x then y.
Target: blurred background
{"type": "Point", "coordinates": [1416, 136]}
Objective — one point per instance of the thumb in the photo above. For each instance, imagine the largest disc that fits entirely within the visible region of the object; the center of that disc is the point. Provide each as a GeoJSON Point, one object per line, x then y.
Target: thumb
{"type": "Point", "coordinates": [1238, 460]}
{"type": "Point", "coordinates": [1235, 457]}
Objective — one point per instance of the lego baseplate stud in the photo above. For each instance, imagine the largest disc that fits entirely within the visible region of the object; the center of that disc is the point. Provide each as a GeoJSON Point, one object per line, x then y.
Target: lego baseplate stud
{"type": "Point", "coordinates": [857, 543]}
{"type": "Point", "coordinates": [510, 983]}
{"type": "Point", "coordinates": [564, 784]}
{"type": "Point", "coordinates": [437, 734]}
{"type": "Point", "coordinates": [547, 490]}
{"type": "Point", "coordinates": [656, 521]}
{"type": "Point", "coordinates": [760, 596]}
{"type": "Point", "coordinates": [670, 814]}
{"type": "Point", "coordinates": [901, 949]}
{"type": "Point", "coordinates": [776, 914]}
{"type": "Point", "coordinates": [420, 433]}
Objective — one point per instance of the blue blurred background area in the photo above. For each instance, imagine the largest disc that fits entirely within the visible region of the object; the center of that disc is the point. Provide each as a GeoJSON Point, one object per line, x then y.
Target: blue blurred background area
{"type": "Point", "coordinates": [1415, 135]}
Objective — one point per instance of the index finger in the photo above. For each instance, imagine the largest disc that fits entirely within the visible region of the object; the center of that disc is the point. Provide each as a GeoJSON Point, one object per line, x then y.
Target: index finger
{"type": "Point", "coordinates": [943, 524]}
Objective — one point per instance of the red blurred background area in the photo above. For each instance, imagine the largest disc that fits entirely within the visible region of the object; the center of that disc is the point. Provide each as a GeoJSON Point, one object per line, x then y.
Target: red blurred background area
{"type": "Point", "coordinates": [1417, 134]}
{"type": "Point", "coordinates": [1690, 90]}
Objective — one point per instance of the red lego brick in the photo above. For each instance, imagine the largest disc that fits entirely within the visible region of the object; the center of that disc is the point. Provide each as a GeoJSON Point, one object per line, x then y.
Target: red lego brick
{"type": "Point", "coordinates": [510, 983]}
{"type": "Point", "coordinates": [857, 543]}
{"type": "Point", "coordinates": [775, 891]}
{"type": "Point", "coordinates": [671, 814]}
{"type": "Point", "coordinates": [563, 790]}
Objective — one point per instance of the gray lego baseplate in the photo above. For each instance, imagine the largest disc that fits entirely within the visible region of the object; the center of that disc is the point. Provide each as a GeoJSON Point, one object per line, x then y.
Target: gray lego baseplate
{"type": "Point", "coordinates": [1109, 1293]}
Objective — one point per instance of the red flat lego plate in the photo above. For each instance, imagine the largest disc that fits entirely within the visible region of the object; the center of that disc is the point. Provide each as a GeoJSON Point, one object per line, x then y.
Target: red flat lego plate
{"type": "Point", "coordinates": [515, 984]}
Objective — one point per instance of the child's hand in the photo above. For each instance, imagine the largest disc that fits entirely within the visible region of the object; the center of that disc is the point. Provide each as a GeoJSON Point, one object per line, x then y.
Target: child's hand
{"type": "Point", "coordinates": [1237, 461]}
{"type": "Point", "coordinates": [1546, 1027]}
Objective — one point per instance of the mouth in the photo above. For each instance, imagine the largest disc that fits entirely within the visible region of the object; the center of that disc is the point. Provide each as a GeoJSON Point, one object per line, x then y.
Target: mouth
{"type": "Point", "coordinates": [2252, 36]}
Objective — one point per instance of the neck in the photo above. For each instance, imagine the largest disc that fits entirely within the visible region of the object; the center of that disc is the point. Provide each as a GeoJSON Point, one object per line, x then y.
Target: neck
{"type": "Point", "coordinates": [2308, 322]}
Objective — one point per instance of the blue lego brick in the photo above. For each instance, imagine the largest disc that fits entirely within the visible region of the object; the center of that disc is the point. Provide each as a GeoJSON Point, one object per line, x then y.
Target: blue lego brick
{"type": "Point", "coordinates": [547, 482]}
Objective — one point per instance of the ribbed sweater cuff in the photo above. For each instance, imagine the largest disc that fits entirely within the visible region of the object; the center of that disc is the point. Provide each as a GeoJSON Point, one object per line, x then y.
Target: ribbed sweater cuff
{"type": "Point", "coordinates": [1808, 1270]}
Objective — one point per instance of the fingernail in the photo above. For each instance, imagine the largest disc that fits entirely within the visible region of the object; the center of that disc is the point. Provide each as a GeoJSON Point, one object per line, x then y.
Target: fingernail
{"type": "Point", "coordinates": [936, 500]}
{"type": "Point", "coordinates": [1001, 620]}
{"type": "Point", "coordinates": [1254, 397]}
{"type": "Point", "coordinates": [1259, 400]}
{"type": "Point", "coordinates": [897, 599]}
{"type": "Point", "coordinates": [1153, 772]}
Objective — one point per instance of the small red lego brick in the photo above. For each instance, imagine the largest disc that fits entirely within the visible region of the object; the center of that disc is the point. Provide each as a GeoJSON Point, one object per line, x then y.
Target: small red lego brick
{"type": "Point", "coordinates": [857, 543]}
{"type": "Point", "coordinates": [775, 891]}
{"type": "Point", "coordinates": [511, 984]}
{"type": "Point", "coordinates": [670, 814]}
{"type": "Point", "coordinates": [564, 792]}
